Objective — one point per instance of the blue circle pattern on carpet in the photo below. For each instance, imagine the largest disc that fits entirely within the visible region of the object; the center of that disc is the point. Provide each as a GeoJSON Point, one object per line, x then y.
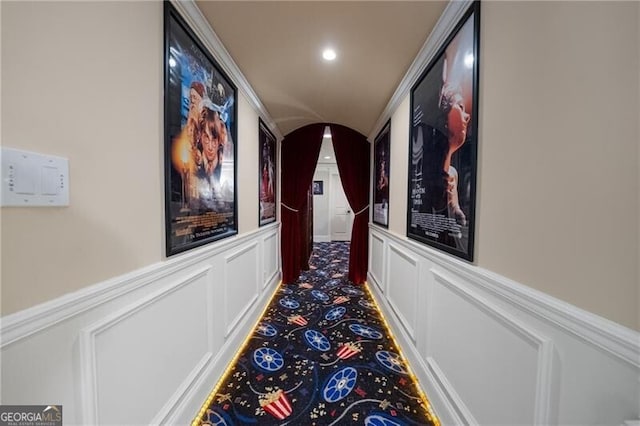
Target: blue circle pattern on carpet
{"type": "Point", "coordinates": [340, 384]}
{"type": "Point", "coordinates": [268, 359]}
{"type": "Point", "coordinates": [335, 313]}
{"type": "Point", "coordinates": [317, 359]}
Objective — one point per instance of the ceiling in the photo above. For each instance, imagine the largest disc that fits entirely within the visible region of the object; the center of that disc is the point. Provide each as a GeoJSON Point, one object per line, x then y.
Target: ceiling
{"type": "Point", "coordinates": [278, 47]}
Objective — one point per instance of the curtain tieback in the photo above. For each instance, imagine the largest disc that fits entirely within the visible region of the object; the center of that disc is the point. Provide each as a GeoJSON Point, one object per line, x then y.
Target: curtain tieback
{"type": "Point", "coordinates": [289, 208]}
{"type": "Point", "coordinates": [363, 210]}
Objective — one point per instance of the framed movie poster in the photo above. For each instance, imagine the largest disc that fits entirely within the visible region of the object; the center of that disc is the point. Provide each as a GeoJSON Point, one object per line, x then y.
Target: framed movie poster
{"type": "Point", "coordinates": [199, 146]}
{"type": "Point", "coordinates": [318, 187]}
{"type": "Point", "coordinates": [267, 192]}
{"type": "Point", "coordinates": [381, 156]}
{"type": "Point", "coordinates": [443, 144]}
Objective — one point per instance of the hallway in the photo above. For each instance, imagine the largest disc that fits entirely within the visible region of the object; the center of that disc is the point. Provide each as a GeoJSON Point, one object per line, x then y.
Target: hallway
{"type": "Point", "coordinates": [320, 355]}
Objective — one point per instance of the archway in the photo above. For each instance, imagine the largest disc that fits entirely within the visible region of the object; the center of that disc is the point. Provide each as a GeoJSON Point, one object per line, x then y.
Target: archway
{"type": "Point", "coordinates": [300, 150]}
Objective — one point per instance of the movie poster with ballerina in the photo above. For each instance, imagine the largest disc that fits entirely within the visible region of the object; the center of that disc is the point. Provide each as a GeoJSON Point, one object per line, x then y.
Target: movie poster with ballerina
{"type": "Point", "coordinates": [443, 144]}
{"type": "Point", "coordinates": [200, 135]}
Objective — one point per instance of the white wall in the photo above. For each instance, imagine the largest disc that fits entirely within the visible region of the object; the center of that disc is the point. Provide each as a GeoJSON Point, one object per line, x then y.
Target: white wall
{"type": "Point", "coordinates": [68, 91]}
{"type": "Point", "coordinates": [94, 317]}
{"type": "Point", "coordinates": [558, 190]}
{"type": "Point", "coordinates": [548, 214]}
{"type": "Point", "coordinates": [543, 330]}
{"type": "Point", "coordinates": [101, 107]}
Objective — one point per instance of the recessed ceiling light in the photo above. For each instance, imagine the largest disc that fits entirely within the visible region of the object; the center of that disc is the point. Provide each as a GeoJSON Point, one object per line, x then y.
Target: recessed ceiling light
{"type": "Point", "coordinates": [327, 157]}
{"type": "Point", "coordinates": [327, 135]}
{"type": "Point", "coordinates": [329, 54]}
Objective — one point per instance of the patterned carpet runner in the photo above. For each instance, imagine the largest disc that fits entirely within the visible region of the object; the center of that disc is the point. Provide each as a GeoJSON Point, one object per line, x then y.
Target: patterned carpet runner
{"type": "Point", "coordinates": [321, 355]}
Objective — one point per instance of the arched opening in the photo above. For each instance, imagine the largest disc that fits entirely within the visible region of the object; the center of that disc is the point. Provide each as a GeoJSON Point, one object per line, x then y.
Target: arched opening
{"type": "Point", "coordinates": [300, 151]}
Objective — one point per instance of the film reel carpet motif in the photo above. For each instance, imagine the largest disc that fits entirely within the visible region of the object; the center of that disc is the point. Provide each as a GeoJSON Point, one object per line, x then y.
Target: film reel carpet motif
{"type": "Point", "coordinates": [320, 355]}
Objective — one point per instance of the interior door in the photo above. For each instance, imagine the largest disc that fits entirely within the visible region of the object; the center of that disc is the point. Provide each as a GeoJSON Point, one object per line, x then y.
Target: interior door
{"type": "Point", "coordinates": [341, 215]}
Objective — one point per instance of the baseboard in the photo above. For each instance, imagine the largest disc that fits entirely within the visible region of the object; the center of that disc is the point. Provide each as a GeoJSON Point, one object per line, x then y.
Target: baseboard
{"type": "Point", "coordinates": [322, 238]}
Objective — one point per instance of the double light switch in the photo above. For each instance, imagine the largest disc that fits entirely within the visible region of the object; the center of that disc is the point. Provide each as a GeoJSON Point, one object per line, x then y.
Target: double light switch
{"type": "Point", "coordinates": [32, 179]}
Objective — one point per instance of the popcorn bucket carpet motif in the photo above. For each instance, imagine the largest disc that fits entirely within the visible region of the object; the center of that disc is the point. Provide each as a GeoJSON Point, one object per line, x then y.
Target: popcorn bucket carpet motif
{"type": "Point", "coordinates": [320, 355]}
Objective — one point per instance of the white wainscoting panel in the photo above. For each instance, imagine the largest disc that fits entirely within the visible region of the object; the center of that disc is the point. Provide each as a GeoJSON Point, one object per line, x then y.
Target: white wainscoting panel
{"type": "Point", "coordinates": [271, 258]}
{"type": "Point", "coordinates": [377, 260]}
{"type": "Point", "coordinates": [131, 348]}
{"type": "Point", "coordinates": [145, 347]}
{"type": "Point", "coordinates": [483, 330]}
{"type": "Point", "coordinates": [402, 289]}
{"type": "Point", "coordinates": [492, 351]}
{"type": "Point", "coordinates": [241, 278]}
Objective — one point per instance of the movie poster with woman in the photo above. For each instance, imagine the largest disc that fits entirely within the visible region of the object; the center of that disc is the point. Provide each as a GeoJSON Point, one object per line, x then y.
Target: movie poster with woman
{"type": "Point", "coordinates": [267, 163]}
{"type": "Point", "coordinates": [381, 157]}
{"type": "Point", "coordinates": [200, 131]}
{"type": "Point", "coordinates": [443, 144]}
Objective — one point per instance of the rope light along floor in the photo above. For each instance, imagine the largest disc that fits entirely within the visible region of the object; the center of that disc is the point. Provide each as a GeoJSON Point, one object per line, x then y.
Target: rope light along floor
{"type": "Point", "coordinates": [223, 378]}
{"type": "Point", "coordinates": [321, 354]}
{"type": "Point", "coordinates": [427, 405]}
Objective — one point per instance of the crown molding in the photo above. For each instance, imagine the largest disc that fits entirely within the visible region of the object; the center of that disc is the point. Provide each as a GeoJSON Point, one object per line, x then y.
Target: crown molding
{"type": "Point", "coordinates": [447, 21]}
{"type": "Point", "coordinates": [192, 14]}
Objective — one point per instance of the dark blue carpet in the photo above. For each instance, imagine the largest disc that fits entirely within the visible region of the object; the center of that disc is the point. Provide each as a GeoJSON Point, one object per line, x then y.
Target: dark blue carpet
{"type": "Point", "coordinates": [320, 355]}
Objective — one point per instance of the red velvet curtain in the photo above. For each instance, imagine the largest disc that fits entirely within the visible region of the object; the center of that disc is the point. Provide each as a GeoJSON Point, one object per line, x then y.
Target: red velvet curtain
{"type": "Point", "coordinates": [353, 158]}
{"type": "Point", "coordinates": [300, 150]}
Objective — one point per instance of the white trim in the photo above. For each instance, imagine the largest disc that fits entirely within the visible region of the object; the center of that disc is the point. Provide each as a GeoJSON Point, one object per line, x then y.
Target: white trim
{"type": "Point", "coordinates": [87, 342]}
{"type": "Point", "coordinates": [187, 387]}
{"type": "Point", "coordinates": [447, 21]}
{"type": "Point", "coordinates": [17, 326]}
{"type": "Point", "coordinates": [232, 323]}
{"type": "Point", "coordinates": [189, 10]}
{"type": "Point", "coordinates": [372, 276]}
{"type": "Point", "coordinates": [414, 358]}
{"type": "Point", "coordinates": [410, 328]}
{"type": "Point", "coordinates": [274, 274]}
{"type": "Point", "coordinates": [456, 406]}
{"type": "Point", "coordinates": [601, 333]}
{"type": "Point", "coordinates": [192, 400]}
{"type": "Point", "coordinates": [543, 344]}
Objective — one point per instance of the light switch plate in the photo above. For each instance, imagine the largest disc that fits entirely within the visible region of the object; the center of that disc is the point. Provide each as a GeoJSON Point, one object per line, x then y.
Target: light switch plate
{"type": "Point", "coordinates": [32, 179]}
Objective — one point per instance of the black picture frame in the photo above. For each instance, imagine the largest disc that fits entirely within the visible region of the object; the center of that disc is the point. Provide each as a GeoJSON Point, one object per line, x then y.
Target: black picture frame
{"type": "Point", "coordinates": [200, 123]}
{"type": "Point", "coordinates": [318, 187]}
{"type": "Point", "coordinates": [382, 164]}
{"type": "Point", "coordinates": [268, 175]}
{"type": "Point", "coordinates": [443, 142]}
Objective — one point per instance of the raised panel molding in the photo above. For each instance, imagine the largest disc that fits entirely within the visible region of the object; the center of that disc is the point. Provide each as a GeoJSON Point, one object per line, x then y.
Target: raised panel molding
{"type": "Point", "coordinates": [561, 343]}
{"type": "Point", "coordinates": [237, 272]}
{"type": "Point", "coordinates": [270, 250]}
{"type": "Point", "coordinates": [89, 335]}
{"type": "Point", "coordinates": [544, 347]}
{"type": "Point", "coordinates": [377, 262]}
{"type": "Point", "coordinates": [457, 408]}
{"type": "Point", "coordinates": [407, 275]}
{"type": "Point", "coordinates": [599, 332]}
{"type": "Point", "coordinates": [22, 324]}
